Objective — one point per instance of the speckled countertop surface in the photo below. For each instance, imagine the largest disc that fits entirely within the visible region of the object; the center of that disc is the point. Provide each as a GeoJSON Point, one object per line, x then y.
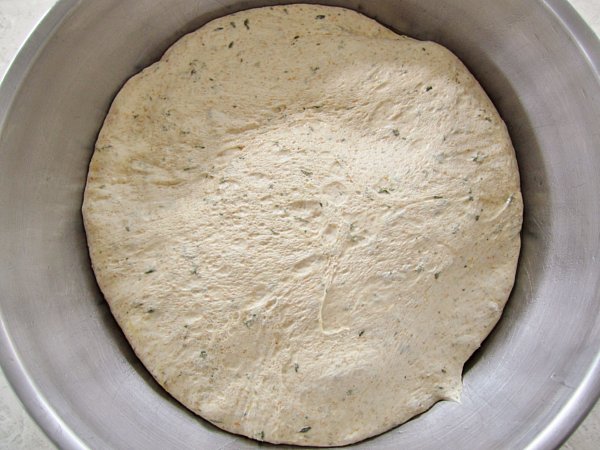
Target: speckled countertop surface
{"type": "Point", "coordinates": [17, 429]}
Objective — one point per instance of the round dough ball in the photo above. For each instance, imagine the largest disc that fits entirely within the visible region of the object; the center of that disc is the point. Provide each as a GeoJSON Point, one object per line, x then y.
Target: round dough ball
{"type": "Point", "coordinates": [304, 223]}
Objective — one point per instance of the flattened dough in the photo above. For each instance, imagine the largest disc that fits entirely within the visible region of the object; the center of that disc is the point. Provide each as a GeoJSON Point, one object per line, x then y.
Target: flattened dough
{"type": "Point", "coordinates": [304, 223]}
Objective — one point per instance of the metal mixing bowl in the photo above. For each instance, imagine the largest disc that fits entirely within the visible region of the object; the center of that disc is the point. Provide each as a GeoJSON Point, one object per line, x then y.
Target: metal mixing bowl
{"type": "Point", "coordinates": [535, 377]}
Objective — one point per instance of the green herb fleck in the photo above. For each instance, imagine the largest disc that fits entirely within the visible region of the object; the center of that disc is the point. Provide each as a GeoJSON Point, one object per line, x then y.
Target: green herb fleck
{"type": "Point", "coordinates": [470, 198]}
{"type": "Point", "coordinates": [203, 354]}
{"type": "Point", "coordinates": [428, 88]}
{"type": "Point", "coordinates": [218, 28]}
{"type": "Point", "coordinates": [383, 191]}
{"type": "Point", "coordinates": [230, 44]}
{"type": "Point", "coordinates": [437, 197]}
{"type": "Point", "coordinates": [296, 37]}
{"type": "Point", "coordinates": [314, 69]}
{"type": "Point", "coordinates": [246, 24]}
{"type": "Point", "coordinates": [296, 367]}
{"type": "Point", "coordinates": [477, 158]}
{"type": "Point", "coordinates": [150, 271]}
{"type": "Point", "coordinates": [250, 321]}
{"type": "Point", "coordinates": [127, 228]}
{"type": "Point", "coordinates": [320, 17]}
{"type": "Point", "coordinates": [308, 173]}
{"type": "Point", "coordinates": [436, 275]}
{"type": "Point", "coordinates": [349, 392]}
{"type": "Point", "coordinates": [150, 310]}
{"type": "Point", "coordinates": [396, 132]}
{"type": "Point", "coordinates": [361, 333]}
{"type": "Point", "coordinates": [476, 217]}
{"type": "Point", "coordinates": [305, 430]}
{"type": "Point", "coordinates": [232, 24]}
{"type": "Point", "coordinates": [261, 435]}
{"type": "Point", "coordinates": [443, 370]}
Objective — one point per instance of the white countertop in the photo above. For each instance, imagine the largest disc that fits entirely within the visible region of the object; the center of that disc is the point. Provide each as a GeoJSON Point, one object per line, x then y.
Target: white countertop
{"type": "Point", "coordinates": [17, 430]}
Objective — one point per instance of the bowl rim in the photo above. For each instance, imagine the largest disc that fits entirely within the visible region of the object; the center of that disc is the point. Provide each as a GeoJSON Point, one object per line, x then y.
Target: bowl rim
{"type": "Point", "coordinates": [556, 431]}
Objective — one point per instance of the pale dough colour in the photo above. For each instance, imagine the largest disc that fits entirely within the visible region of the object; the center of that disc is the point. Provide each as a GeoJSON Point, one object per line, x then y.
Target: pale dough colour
{"type": "Point", "coordinates": [304, 223]}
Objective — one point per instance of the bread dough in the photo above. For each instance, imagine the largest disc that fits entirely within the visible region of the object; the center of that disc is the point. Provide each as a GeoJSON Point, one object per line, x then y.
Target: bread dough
{"type": "Point", "coordinates": [304, 223]}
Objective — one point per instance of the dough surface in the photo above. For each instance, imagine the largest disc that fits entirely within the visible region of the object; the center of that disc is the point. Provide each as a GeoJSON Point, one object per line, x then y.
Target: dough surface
{"type": "Point", "coordinates": [304, 223]}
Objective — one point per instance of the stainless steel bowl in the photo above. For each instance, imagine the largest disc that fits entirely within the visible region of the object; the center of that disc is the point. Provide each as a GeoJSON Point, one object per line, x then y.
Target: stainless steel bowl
{"type": "Point", "coordinates": [535, 377]}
